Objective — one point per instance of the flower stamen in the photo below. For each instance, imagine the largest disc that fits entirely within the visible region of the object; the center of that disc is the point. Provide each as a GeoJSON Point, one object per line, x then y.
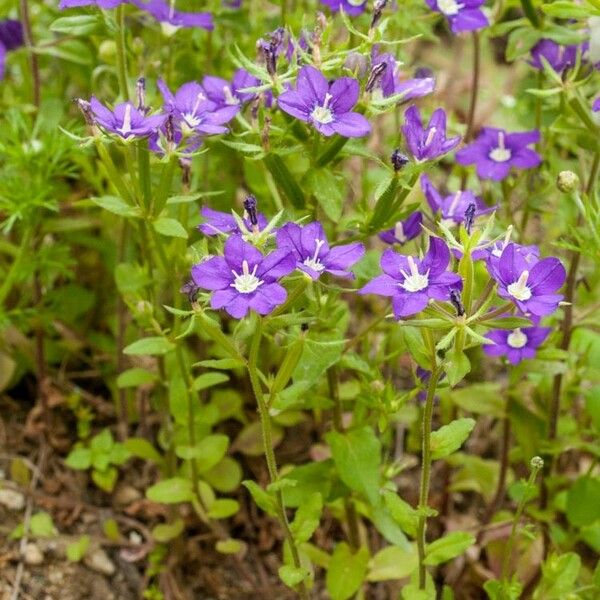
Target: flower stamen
{"type": "Point", "coordinates": [247, 282]}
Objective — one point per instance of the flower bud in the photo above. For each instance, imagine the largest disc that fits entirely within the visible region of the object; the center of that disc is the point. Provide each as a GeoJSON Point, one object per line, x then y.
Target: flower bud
{"type": "Point", "coordinates": [537, 463]}
{"type": "Point", "coordinates": [567, 182]}
{"type": "Point", "coordinates": [107, 51]}
{"type": "Point", "coordinates": [378, 7]}
{"type": "Point", "coordinates": [399, 160]}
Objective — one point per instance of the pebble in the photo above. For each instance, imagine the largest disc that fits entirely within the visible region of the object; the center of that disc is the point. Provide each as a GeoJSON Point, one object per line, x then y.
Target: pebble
{"type": "Point", "coordinates": [33, 555]}
{"type": "Point", "coordinates": [98, 561]}
{"type": "Point", "coordinates": [12, 499]}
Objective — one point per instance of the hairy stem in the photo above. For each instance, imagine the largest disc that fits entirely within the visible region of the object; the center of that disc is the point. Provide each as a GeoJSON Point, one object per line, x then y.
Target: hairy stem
{"type": "Point", "coordinates": [33, 59]}
{"type": "Point", "coordinates": [121, 53]}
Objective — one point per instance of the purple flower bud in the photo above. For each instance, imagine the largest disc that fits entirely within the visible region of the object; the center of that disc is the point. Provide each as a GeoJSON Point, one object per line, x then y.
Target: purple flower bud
{"type": "Point", "coordinates": [190, 289]}
{"type": "Point", "coordinates": [140, 87]}
{"type": "Point", "coordinates": [378, 7]}
{"type": "Point", "coordinates": [375, 76]}
{"type": "Point", "coordinates": [456, 301]}
{"type": "Point", "coordinates": [470, 216]}
{"type": "Point", "coordinates": [86, 109]}
{"type": "Point", "coordinates": [250, 204]}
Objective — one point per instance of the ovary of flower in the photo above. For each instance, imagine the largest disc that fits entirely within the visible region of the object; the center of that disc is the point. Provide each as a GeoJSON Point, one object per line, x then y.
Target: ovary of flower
{"type": "Point", "coordinates": [500, 154]}
{"type": "Point", "coordinates": [126, 127]}
{"type": "Point", "coordinates": [399, 232]}
{"type": "Point", "coordinates": [191, 118]}
{"type": "Point", "coordinates": [516, 339]}
{"type": "Point", "coordinates": [313, 262]}
{"type": "Point", "coordinates": [519, 289]}
{"type": "Point", "coordinates": [415, 281]}
{"type": "Point", "coordinates": [323, 114]}
{"type": "Point", "coordinates": [230, 99]}
{"type": "Point", "coordinates": [449, 7]}
{"type": "Point", "coordinates": [247, 282]}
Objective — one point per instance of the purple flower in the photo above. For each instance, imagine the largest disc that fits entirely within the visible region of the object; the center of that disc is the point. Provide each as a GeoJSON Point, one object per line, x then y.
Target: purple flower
{"type": "Point", "coordinates": [244, 279]}
{"type": "Point", "coordinates": [462, 16]}
{"type": "Point", "coordinates": [327, 107]}
{"type": "Point", "coordinates": [350, 7]}
{"type": "Point", "coordinates": [495, 151]}
{"type": "Point", "coordinates": [312, 252]}
{"type": "Point", "coordinates": [223, 93]}
{"type": "Point", "coordinates": [596, 104]}
{"type": "Point", "coordinates": [164, 12]}
{"type": "Point", "coordinates": [403, 231]}
{"type": "Point", "coordinates": [530, 284]}
{"type": "Point", "coordinates": [193, 112]}
{"type": "Point", "coordinates": [223, 223]}
{"type": "Point", "coordinates": [391, 84]}
{"type": "Point", "coordinates": [453, 207]}
{"type": "Point", "coordinates": [531, 254]}
{"type": "Point", "coordinates": [125, 120]}
{"type": "Point", "coordinates": [516, 344]}
{"type": "Point", "coordinates": [559, 57]}
{"type": "Point", "coordinates": [11, 37]}
{"type": "Point", "coordinates": [430, 142]}
{"type": "Point", "coordinates": [412, 282]}
{"type": "Point", "coordinates": [104, 4]}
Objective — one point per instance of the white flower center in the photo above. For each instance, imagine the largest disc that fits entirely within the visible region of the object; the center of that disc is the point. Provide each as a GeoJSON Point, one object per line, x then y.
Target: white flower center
{"type": "Point", "coordinates": [356, 2]}
{"type": "Point", "coordinates": [126, 127]}
{"type": "Point", "coordinates": [399, 232]}
{"type": "Point", "coordinates": [519, 289]}
{"type": "Point", "coordinates": [313, 262]}
{"type": "Point", "coordinates": [247, 282]}
{"type": "Point", "coordinates": [414, 281]}
{"type": "Point", "coordinates": [449, 7]}
{"type": "Point", "coordinates": [500, 154]}
{"type": "Point", "coordinates": [191, 118]}
{"type": "Point", "coordinates": [230, 99]}
{"type": "Point", "coordinates": [323, 114]}
{"type": "Point", "coordinates": [516, 339]}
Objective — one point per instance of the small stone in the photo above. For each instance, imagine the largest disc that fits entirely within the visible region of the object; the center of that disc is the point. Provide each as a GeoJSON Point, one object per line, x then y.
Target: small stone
{"type": "Point", "coordinates": [125, 495]}
{"type": "Point", "coordinates": [98, 561]}
{"type": "Point", "coordinates": [12, 499]}
{"type": "Point", "coordinates": [33, 555]}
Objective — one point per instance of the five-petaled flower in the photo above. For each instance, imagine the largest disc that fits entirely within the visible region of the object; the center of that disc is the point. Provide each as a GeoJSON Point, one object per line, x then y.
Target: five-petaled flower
{"type": "Point", "coordinates": [350, 7]}
{"type": "Point", "coordinates": [222, 223]}
{"type": "Point", "coordinates": [412, 282]}
{"type": "Point", "coordinates": [453, 207]}
{"type": "Point", "coordinates": [244, 279]}
{"type": "Point", "coordinates": [312, 252]}
{"type": "Point", "coordinates": [125, 120]}
{"type": "Point", "coordinates": [495, 151]}
{"type": "Point", "coordinates": [225, 93]}
{"type": "Point", "coordinates": [463, 15]}
{"type": "Point", "coordinates": [327, 107]}
{"type": "Point", "coordinates": [403, 231]}
{"type": "Point", "coordinates": [530, 284]}
{"type": "Point", "coordinates": [559, 57]}
{"type": "Point", "coordinates": [193, 112]}
{"type": "Point", "coordinates": [429, 142]}
{"type": "Point", "coordinates": [516, 344]}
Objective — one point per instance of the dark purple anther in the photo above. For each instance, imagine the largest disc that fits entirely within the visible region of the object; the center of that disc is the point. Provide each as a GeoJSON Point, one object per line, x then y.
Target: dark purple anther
{"type": "Point", "coordinates": [423, 73]}
{"type": "Point", "coordinates": [378, 7]}
{"type": "Point", "coordinates": [456, 301]}
{"type": "Point", "coordinates": [190, 289]}
{"type": "Point", "coordinates": [140, 87]}
{"type": "Point", "coordinates": [250, 204]}
{"type": "Point", "coordinates": [399, 160]}
{"type": "Point", "coordinates": [469, 217]}
{"type": "Point", "coordinates": [375, 76]}
{"type": "Point", "coordinates": [86, 109]}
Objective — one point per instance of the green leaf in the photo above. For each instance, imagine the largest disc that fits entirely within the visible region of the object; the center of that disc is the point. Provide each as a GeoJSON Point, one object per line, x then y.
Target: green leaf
{"type": "Point", "coordinates": [76, 550]}
{"type": "Point", "coordinates": [223, 508]}
{"type": "Point", "coordinates": [292, 576]}
{"type": "Point", "coordinates": [207, 380]}
{"type": "Point", "coordinates": [229, 546]}
{"type": "Point", "coordinates": [76, 25]}
{"type": "Point", "coordinates": [165, 532]}
{"type": "Point", "coordinates": [457, 365]}
{"type": "Point", "coordinates": [583, 501]}
{"type": "Point", "coordinates": [170, 227]}
{"type": "Point", "coordinates": [105, 479]}
{"type": "Point", "coordinates": [449, 438]}
{"type": "Point", "coordinates": [150, 346]}
{"type": "Point", "coordinates": [559, 576]}
{"type": "Point", "coordinates": [224, 476]}
{"type": "Point", "coordinates": [79, 458]}
{"type": "Point", "coordinates": [402, 512]}
{"type": "Point", "coordinates": [135, 377]}
{"type": "Point", "coordinates": [206, 453]}
{"type": "Point", "coordinates": [222, 363]}
{"type": "Point", "coordinates": [448, 547]}
{"type": "Point", "coordinates": [142, 448]}
{"type": "Point", "coordinates": [357, 457]}
{"type": "Point", "coordinates": [307, 518]}
{"type": "Point", "coordinates": [563, 9]}
{"type": "Point", "coordinates": [42, 525]}
{"type": "Point", "coordinates": [392, 563]}
{"type": "Point", "coordinates": [115, 205]}
{"type": "Point", "coordinates": [284, 179]}
{"type": "Point", "coordinates": [171, 491]}
{"type": "Point", "coordinates": [347, 571]}
{"type": "Point", "coordinates": [328, 191]}
{"type": "Point", "coordinates": [261, 497]}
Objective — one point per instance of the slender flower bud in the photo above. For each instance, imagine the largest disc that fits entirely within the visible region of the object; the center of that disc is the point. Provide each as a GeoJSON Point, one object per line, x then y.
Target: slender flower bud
{"type": "Point", "coordinates": [170, 130]}
{"type": "Point", "coordinates": [567, 182]}
{"type": "Point", "coordinates": [423, 73]}
{"type": "Point", "coordinates": [140, 86]}
{"type": "Point", "coordinates": [399, 160]}
{"type": "Point", "coordinates": [456, 301]}
{"type": "Point", "coordinates": [190, 289]}
{"type": "Point", "coordinates": [378, 7]}
{"type": "Point", "coordinates": [186, 173]}
{"type": "Point", "coordinates": [470, 217]}
{"type": "Point", "coordinates": [250, 204]}
{"type": "Point", "coordinates": [85, 108]}
{"type": "Point", "coordinates": [375, 76]}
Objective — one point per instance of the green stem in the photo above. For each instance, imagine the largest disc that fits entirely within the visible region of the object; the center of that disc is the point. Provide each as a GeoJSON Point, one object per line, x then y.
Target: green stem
{"type": "Point", "coordinates": [474, 87]}
{"type": "Point", "coordinates": [267, 437]}
{"type": "Point", "coordinates": [426, 469]}
{"type": "Point", "coordinates": [144, 174]}
{"type": "Point", "coordinates": [531, 13]}
{"type": "Point", "coordinates": [121, 53]}
{"type": "Point", "coordinates": [13, 272]}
